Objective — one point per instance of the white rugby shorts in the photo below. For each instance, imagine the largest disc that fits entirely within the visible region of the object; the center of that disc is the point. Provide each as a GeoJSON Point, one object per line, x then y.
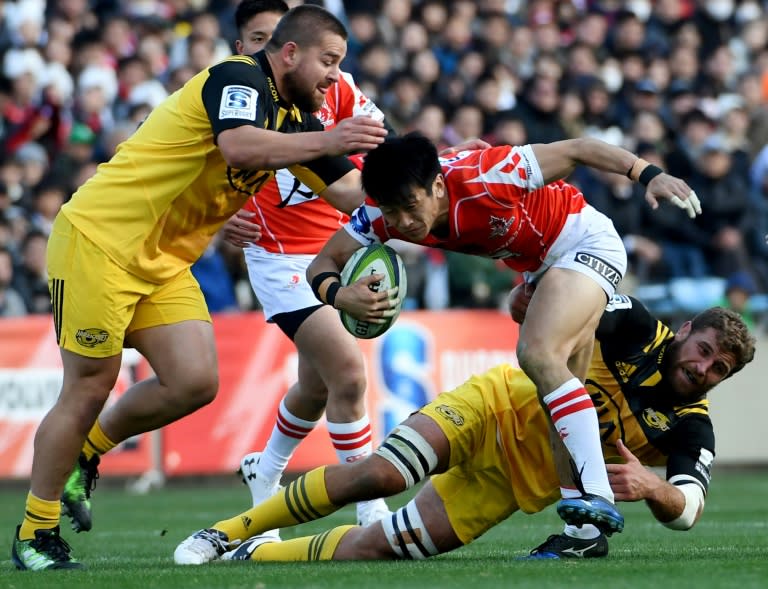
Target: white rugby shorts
{"type": "Point", "coordinates": [590, 244]}
{"type": "Point", "coordinates": [279, 281]}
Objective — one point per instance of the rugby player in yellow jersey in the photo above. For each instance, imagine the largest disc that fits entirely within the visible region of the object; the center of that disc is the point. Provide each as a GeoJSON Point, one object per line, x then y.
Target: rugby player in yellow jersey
{"type": "Point", "coordinates": [120, 251]}
{"type": "Point", "coordinates": [487, 446]}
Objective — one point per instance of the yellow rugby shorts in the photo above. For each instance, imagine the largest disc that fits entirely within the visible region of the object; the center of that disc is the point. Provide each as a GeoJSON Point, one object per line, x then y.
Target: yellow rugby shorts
{"type": "Point", "coordinates": [476, 488]}
{"type": "Point", "coordinates": [96, 302]}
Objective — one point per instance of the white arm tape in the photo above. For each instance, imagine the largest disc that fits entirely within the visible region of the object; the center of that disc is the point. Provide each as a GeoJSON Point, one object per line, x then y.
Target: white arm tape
{"type": "Point", "coordinates": [694, 503]}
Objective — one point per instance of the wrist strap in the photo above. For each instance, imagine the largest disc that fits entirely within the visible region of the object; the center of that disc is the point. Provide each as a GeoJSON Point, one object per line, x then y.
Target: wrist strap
{"type": "Point", "coordinates": [330, 292]}
{"type": "Point", "coordinates": [649, 173]}
{"type": "Point", "coordinates": [637, 167]}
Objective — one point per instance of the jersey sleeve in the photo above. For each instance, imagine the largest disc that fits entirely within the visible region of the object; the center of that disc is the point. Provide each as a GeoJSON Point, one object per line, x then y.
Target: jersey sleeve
{"type": "Point", "coordinates": [320, 173]}
{"type": "Point", "coordinates": [366, 225]}
{"type": "Point", "coordinates": [509, 166]}
{"type": "Point", "coordinates": [235, 94]}
{"type": "Point", "coordinates": [691, 452]}
{"type": "Point", "coordinates": [349, 101]}
{"type": "Point", "coordinates": [625, 315]}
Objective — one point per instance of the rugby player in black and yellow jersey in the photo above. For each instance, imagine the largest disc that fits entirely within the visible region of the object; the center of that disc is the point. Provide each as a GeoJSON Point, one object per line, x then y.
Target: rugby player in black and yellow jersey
{"type": "Point", "coordinates": [487, 446]}
{"type": "Point", "coordinates": [120, 252]}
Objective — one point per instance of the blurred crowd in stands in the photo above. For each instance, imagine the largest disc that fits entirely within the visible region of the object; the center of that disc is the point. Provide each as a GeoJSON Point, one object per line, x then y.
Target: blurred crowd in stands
{"type": "Point", "coordinates": [682, 83]}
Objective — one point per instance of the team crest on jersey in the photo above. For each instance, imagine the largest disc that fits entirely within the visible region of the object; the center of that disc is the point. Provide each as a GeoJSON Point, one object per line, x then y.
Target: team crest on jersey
{"type": "Point", "coordinates": [499, 226]}
{"type": "Point", "coordinates": [91, 337]}
{"type": "Point", "coordinates": [656, 420]}
{"type": "Point", "coordinates": [238, 102]}
{"type": "Point", "coordinates": [451, 414]}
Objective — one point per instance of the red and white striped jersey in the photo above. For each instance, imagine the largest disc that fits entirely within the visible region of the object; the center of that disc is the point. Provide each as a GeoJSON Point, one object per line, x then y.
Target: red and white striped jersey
{"type": "Point", "coordinates": [499, 207]}
{"type": "Point", "coordinates": [293, 219]}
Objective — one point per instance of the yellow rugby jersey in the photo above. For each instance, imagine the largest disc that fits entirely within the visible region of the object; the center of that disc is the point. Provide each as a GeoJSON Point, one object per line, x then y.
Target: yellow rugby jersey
{"type": "Point", "coordinates": [626, 383]}
{"type": "Point", "coordinates": [154, 207]}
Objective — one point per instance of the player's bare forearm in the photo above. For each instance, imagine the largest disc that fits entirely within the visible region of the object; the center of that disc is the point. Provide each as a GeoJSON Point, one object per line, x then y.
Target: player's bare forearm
{"type": "Point", "coordinates": [249, 148]}
{"type": "Point", "coordinates": [557, 160]}
{"type": "Point", "coordinates": [346, 193]}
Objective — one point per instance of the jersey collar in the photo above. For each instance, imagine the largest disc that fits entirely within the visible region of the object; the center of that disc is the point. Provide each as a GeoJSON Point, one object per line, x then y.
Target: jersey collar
{"type": "Point", "coordinates": [263, 62]}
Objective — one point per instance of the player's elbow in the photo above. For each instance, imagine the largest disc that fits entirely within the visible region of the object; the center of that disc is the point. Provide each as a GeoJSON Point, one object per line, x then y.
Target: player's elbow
{"type": "Point", "coordinates": [694, 505]}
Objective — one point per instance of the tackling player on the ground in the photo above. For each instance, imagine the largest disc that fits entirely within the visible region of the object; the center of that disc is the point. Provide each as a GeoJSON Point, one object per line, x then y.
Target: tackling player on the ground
{"type": "Point", "coordinates": [511, 203]}
{"type": "Point", "coordinates": [486, 444]}
{"type": "Point", "coordinates": [120, 251]}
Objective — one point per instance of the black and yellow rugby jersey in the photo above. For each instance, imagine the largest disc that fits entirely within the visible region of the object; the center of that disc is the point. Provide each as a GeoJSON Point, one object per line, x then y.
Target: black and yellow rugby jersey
{"type": "Point", "coordinates": [634, 402]}
{"type": "Point", "coordinates": [154, 207]}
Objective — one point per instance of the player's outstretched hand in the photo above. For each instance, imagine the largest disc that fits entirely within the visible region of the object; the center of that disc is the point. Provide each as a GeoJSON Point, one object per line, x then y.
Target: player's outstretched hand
{"type": "Point", "coordinates": [360, 133]}
{"type": "Point", "coordinates": [364, 303]}
{"type": "Point", "coordinates": [676, 191]}
{"type": "Point", "coordinates": [630, 481]}
{"type": "Point", "coordinates": [240, 229]}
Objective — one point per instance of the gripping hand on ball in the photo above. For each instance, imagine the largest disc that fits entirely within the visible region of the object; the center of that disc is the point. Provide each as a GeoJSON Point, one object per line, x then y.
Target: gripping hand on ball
{"type": "Point", "coordinates": [364, 301]}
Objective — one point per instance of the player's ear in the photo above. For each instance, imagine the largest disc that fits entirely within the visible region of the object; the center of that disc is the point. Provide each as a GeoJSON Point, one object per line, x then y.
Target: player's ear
{"type": "Point", "coordinates": [290, 53]}
{"type": "Point", "coordinates": [684, 331]}
{"type": "Point", "coordinates": [438, 186]}
{"type": "Point", "coordinates": [239, 46]}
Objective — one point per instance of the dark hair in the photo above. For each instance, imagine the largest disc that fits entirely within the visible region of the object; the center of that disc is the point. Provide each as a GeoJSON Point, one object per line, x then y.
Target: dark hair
{"type": "Point", "coordinates": [247, 9]}
{"type": "Point", "coordinates": [733, 336]}
{"type": "Point", "coordinates": [393, 169]}
{"type": "Point", "coordinates": [304, 26]}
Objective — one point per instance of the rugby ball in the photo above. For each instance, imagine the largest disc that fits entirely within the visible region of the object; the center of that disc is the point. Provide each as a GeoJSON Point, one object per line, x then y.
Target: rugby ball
{"type": "Point", "coordinates": [374, 259]}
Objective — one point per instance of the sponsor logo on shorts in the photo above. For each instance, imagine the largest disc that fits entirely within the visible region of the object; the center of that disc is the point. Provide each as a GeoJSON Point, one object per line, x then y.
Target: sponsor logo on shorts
{"type": "Point", "coordinates": [656, 420]}
{"type": "Point", "coordinates": [600, 266]}
{"type": "Point", "coordinates": [238, 102]}
{"type": "Point", "coordinates": [450, 414]}
{"type": "Point", "coordinates": [91, 337]}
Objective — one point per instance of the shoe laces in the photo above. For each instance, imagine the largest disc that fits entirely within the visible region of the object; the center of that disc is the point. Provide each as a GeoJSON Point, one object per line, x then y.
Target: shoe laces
{"type": "Point", "coordinates": [52, 544]}
{"type": "Point", "coordinates": [214, 537]}
{"type": "Point", "coordinates": [89, 472]}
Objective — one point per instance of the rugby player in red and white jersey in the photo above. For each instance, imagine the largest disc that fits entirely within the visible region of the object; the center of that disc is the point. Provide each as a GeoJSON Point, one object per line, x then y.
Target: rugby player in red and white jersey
{"type": "Point", "coordinates": [511, 203]}
{"type": "Point", "coordinates": [281, 228]}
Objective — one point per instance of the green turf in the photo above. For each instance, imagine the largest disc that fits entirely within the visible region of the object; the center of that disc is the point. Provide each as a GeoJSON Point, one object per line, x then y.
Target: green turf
{"type": "Point", "coordinates": [133, 540]}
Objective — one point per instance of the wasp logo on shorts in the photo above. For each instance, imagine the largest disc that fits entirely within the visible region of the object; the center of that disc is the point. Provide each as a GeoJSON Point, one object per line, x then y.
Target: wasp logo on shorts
{"type": "Point", "coordinates": [656, 420]}
{"type": "Point", "coordinates": [602, 267]}
{"type": "Point", "coordinates": [91, 337]}
{"type": "Point", "coordinates": [450, 414]}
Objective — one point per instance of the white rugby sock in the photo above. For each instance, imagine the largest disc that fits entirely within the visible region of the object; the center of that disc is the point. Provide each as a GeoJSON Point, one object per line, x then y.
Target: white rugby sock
{"type": "Point", "coordinates": [351, 441]}
{"type": "Point", "coordinates": [575, 420]}
{"type": "Point", "coordinates": [288, 433]}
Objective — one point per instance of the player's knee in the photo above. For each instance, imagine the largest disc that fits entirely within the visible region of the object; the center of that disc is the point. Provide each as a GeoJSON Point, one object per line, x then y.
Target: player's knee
{"type": "Point", "coordinates": [378, 478]}
{"type": "Point", "coordinates": [364, 544]}
{"type": "Point", "coordinates": [198, 388]}
{"type": "Point", "coordinates": [534, 356]}
{"type": "Point", "coordinates": [347, 387]}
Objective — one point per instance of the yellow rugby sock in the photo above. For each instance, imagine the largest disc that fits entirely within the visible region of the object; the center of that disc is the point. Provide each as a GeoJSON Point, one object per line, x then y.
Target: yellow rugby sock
{"type": "Point", "coordinates": [39, 514]}
{"type": "Point", "coordinates": [97, 442]}
{"type": "Point", "coordinates": [305, 499]}
{"type": "Point", "coordinates": [317, 547]}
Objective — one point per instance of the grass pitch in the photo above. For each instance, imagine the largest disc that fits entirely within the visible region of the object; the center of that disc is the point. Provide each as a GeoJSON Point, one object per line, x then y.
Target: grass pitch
{"type": "Point", "coordinates": [133, 539]}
